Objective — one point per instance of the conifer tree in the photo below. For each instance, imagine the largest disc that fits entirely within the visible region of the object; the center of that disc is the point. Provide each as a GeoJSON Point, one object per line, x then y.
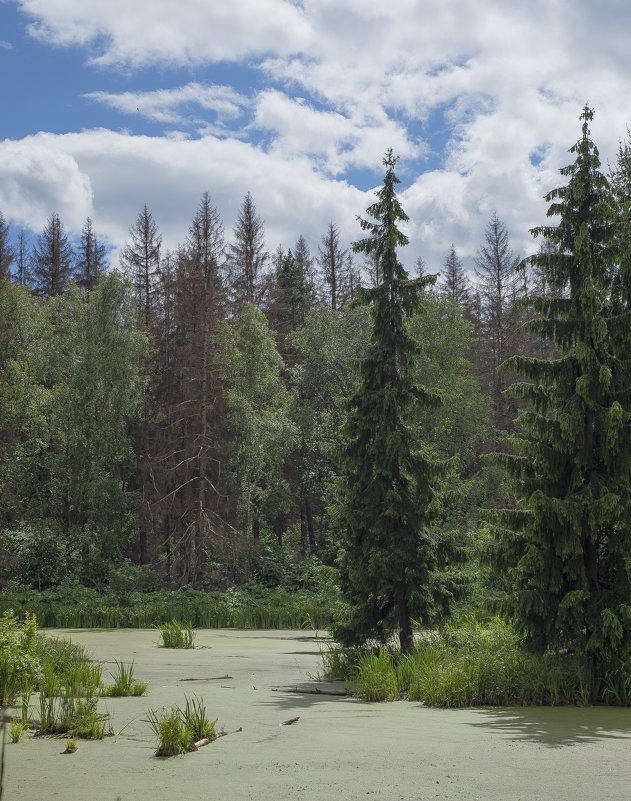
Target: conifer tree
{"type": "Point", "coordinates": [52, 259]}
{"type": "Point", "coordinates": [7, 254]}
{"type": "Point", "coordinates": [91, 258]}
{"type": "Point", "coordinates": [247, 258]}
{"type": "Point", "coordinates": [390, 560]}
{"type": "Point", "coordinates": [455, 283]}
{"type": "Point", "coordinates": [140, 259]}
{"type": "Point", "coordinates": [566, 550]}
{"type": "Point", "coordinates": [332, 261]}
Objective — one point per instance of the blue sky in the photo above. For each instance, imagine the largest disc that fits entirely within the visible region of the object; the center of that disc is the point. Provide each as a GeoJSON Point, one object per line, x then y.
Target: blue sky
{"type": "Point", "coordinates": [110, 105]}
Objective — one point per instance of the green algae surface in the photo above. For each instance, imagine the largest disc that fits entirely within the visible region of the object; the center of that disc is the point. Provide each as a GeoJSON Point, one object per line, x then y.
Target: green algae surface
{"type": "Point", "coordinates": [339, 748]}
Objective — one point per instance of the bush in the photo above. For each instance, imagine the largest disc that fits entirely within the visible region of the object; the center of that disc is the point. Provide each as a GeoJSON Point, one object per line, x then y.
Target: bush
{"type": "Point", "coordinates": [20, 666]}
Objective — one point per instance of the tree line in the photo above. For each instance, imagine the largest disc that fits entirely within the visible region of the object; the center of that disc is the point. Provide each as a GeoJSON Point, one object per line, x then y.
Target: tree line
{"type": "Point", "coordinates": [196, 409]}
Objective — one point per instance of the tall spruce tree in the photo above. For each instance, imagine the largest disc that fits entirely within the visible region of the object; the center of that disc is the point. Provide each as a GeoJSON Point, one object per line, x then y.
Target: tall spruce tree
{"type": "Point", "coordinates": [566, 550]}
{"type": "Point", "coordinates": [91, 262]}
{"type": "Point", "coordinates": [390, 570]}
{"type": "Point", "coordinates": [52, 259]}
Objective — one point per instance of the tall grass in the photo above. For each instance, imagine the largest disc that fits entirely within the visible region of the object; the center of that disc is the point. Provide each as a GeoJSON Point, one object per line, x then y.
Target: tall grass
{"type": "Point", "coordinates": [469, 664]}
{"type": "Point", "coordinates": [80, 607]}
{"type": "Point", "coordinates": [124, 682]}
{"type": "Point", "coordinates": [177, 730]}
{"type": "Point", "coordinates": [177, 635]}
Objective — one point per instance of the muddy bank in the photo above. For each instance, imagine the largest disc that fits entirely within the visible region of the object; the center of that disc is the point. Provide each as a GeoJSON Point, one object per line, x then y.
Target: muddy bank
{"type": "Point", "coordinates": [340, 748]}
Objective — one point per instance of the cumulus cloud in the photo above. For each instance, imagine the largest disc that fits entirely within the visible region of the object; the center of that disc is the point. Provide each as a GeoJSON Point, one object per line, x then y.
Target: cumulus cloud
{"type": "Point", "coordinates": [170, 175]}
{"type": "Point", "coordinates": [490, 95]}
{"type": "Point", "coordinates": [38, 178]}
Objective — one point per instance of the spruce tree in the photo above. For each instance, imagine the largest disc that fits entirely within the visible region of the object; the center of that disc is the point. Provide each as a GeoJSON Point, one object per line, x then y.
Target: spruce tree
{"type": "Point", "coordinates": [91, 262]}
{"type": "Point", "coordinates": [566, 551]}
{"type": "Point", "coordinates": [52, 259]}
{"type": "Point", "coordinates": [390, 559]}
{"type": "Point", "coordinates": [455, 283]}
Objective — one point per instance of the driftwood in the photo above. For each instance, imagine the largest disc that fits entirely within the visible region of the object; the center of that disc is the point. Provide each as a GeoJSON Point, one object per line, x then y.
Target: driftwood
{"type": "Point", "coordinates": [290, 721]}
{"type": "Point", "coordinates": [205, 740]}
{"type": "Point", "coordinates": [226, 733]}
{"type": "Point", "coordinates": [208, 678]}
{"type": "Point", "coordinates": [314, 691]}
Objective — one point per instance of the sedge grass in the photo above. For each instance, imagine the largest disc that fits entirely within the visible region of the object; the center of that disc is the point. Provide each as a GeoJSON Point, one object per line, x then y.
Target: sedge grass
{"type": "Point", "coordinates": [177, 635]}
{"type": "Point", "coordinates": [125, 683]}
{"type": "Point", "coordinates": [17, 729]}
{"type": "Point", "coordinates": [470, 664]}
{"type": "Point", "coordinates": [196, 720]}
{"type": "Point", "coordinates": [178, 729]}
{"type": "Point", "coordinates": [81, 607]}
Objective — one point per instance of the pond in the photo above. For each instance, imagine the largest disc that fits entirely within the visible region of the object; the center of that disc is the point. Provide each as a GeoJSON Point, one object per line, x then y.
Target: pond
{"type": "Point", "coordinates": [339, 748]}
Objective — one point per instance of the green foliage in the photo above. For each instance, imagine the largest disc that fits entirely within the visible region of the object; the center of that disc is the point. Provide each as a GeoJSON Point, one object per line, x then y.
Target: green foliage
{"type": "Point", "coordinates": [196, 721]}
{"type": "Point", "coordinates": [253, 606]}
{"type": "Point", "coordinates": [69, 390]}
{"type": "Point", "coordinates": [20, 666]}
{"type": "Point", "coordinates": [474, 664]}
{"type": "Point", "coordinates": [178, 729]}
{"type": "Point", "coordinates": [564, 552]}
{"type": "Point", "coordinates": [177, 635]}
{"type": "Point", "coordinates": [125, 684]}
{"type": "Point", "coordinates": [391, 565]}
{"type": "Point", "coordinates": [258, 406]}
{"type": "Point", "coordinates": [170, 731]}
{"type": "Point", "coordinates": [17, 729]}
{"type": "Point", "coordinates": [376, 677]}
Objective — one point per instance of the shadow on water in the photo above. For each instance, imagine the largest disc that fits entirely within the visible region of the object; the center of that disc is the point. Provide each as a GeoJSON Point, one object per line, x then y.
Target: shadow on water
{"type": "Point", "coordinates": [283, 698]}
{"type": "Point", "coordinates": [556, 727]}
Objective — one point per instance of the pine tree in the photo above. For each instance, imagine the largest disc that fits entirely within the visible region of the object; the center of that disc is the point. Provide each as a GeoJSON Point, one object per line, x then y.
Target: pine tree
{"type": "Point", "coordinates": [566, 550]}
{"type": "Point", "coordinates": [91, 258]}
{"type": "Point", "coordinates": [390, 560]}
{"type": "Point", "coordinates": [52, 259]}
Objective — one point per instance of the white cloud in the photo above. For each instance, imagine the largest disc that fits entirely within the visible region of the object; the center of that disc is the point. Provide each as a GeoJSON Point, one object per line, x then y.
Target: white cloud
{"type": "Point", "coordinates": [170, 175]}
{"type": "Point", "coordinates": [482, 88]}
{"type": "Point", "coordinates": [170, 105]}
{"type": "Point", "coordinates": [39, 178]}
{"type": "Point", "coordinates": [188, 32]}
{"type": "Point", "coordinates": [335, 141]}
{"type": "Point", "coordinates": [5, 45]}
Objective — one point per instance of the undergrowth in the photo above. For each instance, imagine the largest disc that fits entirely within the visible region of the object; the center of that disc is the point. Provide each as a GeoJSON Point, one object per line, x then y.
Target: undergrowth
{"type": "Point", "coordinates": [252, 607]}
{"type": "Point", "coordinates": [471, 664]}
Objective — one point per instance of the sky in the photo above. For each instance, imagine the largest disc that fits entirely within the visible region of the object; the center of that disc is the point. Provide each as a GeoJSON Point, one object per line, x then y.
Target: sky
{"type": "Point", "coordinates": [111, 104]}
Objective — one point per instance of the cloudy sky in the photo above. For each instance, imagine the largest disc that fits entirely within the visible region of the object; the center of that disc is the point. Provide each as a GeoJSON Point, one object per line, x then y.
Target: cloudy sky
{"type": "Point", "coordinates": [110, 104]}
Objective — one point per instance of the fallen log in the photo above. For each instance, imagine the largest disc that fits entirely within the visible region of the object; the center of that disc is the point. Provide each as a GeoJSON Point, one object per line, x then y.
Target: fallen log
{"type": "Point", "coordinates": [314, 691]}
{"type": "Point", "coordinates": [208, 678]}
{"type": "Point", "coordinates": [290, 721]}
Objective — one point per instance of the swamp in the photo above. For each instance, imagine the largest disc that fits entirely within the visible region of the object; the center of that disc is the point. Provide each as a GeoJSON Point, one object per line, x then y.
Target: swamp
{"type": "Point", "coordinates": [338, 748]}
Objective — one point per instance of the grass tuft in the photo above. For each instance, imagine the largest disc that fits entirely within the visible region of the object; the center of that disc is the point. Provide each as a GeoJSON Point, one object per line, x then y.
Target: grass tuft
{"type": "Point", "coordinates": [124, 682]}
{"type": "Point", "coordinates": [177, 635]}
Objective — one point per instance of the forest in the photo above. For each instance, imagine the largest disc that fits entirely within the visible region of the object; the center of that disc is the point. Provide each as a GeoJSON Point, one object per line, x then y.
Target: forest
{"type": "Point", "coordinates": [217, 417]}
